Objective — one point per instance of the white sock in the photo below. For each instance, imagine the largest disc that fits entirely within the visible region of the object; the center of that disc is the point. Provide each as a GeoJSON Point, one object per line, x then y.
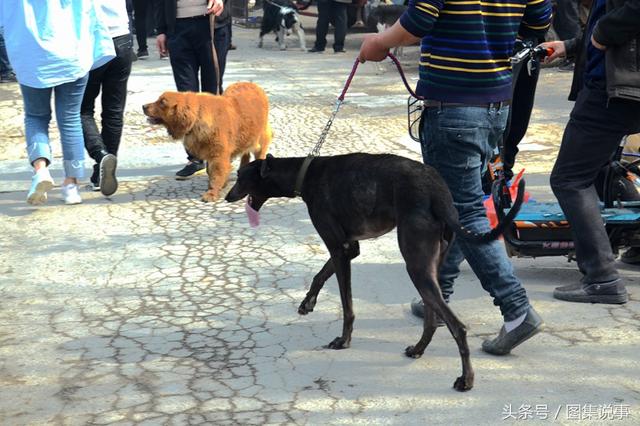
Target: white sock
{"type": "Point", "coordinates": [510, 325]}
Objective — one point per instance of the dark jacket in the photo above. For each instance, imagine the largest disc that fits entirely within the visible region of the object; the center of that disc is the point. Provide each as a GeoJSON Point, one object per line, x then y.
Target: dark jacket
{"type": "Point", "coordinates": [167, 16]}
{"type": "Point", "coordinates": [619, 31]}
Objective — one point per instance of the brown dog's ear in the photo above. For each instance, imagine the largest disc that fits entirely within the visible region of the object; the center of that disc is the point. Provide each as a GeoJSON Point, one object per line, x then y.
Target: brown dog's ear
{"type": "Point", "coordinates": [264, 167]}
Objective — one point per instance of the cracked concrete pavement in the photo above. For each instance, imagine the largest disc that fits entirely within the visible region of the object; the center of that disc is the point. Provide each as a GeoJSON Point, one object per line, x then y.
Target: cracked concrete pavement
{"type": "Point", "coordinates": [153, 308]}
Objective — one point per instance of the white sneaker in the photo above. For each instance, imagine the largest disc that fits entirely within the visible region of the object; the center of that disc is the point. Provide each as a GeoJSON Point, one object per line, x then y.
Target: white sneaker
{"type": "Point", "coordinates": [70, 194]}
{"type": "Point", "coordinates": [41, 182]}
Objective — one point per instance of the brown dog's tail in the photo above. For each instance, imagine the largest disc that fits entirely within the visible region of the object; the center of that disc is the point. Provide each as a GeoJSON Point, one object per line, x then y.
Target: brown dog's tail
{"type": "Point", "coordinates": [465, 234]}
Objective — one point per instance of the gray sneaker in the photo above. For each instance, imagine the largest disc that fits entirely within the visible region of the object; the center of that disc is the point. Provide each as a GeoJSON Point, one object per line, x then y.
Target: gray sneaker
{"type": "Point", "coordinates": [612, 292]}
{"type": "Point", "coordinates": [505, 342]}
{"type": "Point", "coordinates": [108, 181]}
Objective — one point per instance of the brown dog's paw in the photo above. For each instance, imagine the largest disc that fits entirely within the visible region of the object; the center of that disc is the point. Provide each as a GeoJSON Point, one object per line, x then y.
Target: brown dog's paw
{"type": "Point", "coordinates": [412, 352]}
{"type": "Point", "coordinates": [339, 343]}
{"type": "Point", "coordinates": [210, 196]}
{"type": "Point", "coordinates": [463, 384]}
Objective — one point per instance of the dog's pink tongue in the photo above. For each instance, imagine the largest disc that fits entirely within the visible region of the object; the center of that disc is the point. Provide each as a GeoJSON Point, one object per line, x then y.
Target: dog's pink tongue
{"type": "Point", "coordinates": [253, 215]}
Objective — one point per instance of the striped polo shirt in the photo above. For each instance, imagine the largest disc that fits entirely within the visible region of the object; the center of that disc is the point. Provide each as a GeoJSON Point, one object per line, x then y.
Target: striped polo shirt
{"type": "Point", "coordinates": [466, 45]}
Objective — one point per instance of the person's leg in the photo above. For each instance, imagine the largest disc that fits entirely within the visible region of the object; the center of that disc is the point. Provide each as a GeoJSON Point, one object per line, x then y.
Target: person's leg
{"type": "Point", "coordinates": [6, 72]}
{"type": "Point", "coordinates": [92, 138]}
{"type": "Point", "coordinates": [339, 12]}
{"type": "Point", "coordinates": [68, 98]}
{"type": "Point", "coordinates": [207, 66]}
{"type": "Point", "coordinates": [322, 25]}
{"type": "Point", "coordinates": [593, 132]}
{"type": "Point", "coordinates": [459, 143]}
{"type": "Point", "coordinates": [37, 115]}
{"type": "Point", "coordinates": [114, 94]}
{"type": "Point", "coordinates": [185, 66]}
{"type": "Point", "coordinates": [140, 13]}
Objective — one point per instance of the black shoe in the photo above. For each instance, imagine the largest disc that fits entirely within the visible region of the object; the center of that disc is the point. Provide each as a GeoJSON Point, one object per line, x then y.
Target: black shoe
{"type": "Point", "coordinates": [8, 78]}
{"type": "Point", "coordinates": [315, 50]}
{"type": "Point", "coordinates": [94, 184]}
{"type": "Point", "coordinates": [192, 168]}
{"type": "Point", "coordinates": [143, 53]}
{"type": "Point", "coordinates": [417, 309]}
{"type": "Point", "coordinates": [631, 256]}
{"type": "Point", "coordinates": [612, 292]}
{"type": "Point", "coordinates": [108, 181]}
{"type": "Point", "coordinates": [232, 47]}
{"type": "Point", "coordinates": [505, 342]}
{"type": "Point", "coordinates": [339, 51]}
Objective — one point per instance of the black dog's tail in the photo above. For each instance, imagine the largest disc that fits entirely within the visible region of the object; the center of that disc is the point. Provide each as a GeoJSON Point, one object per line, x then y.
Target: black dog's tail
{"type": "Point", "coordinates": [465, 234]}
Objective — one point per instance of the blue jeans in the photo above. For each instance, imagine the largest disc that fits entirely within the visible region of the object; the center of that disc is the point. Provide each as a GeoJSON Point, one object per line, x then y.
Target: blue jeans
{"type": "Point", "coordinates": [458, 142]}
{"type": "Point", "coordinates": [37, 115]}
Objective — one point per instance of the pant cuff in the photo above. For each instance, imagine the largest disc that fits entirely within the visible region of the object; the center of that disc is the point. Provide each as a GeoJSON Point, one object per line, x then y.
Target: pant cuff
{"type": "Point", "coordinates": [39, 150]}
{"type": "Point", "coordinates": [73, 168]}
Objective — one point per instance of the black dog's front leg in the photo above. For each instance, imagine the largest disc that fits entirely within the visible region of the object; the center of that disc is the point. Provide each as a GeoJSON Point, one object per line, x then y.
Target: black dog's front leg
{"type": "Point", "coordinates": [352, 251]}
{"type": "Point", "coordinates": [342, 266]}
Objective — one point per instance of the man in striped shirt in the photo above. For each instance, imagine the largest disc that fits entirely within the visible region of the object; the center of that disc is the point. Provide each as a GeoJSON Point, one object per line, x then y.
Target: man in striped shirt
{"type": "Point", "coordinates": [465, 77]}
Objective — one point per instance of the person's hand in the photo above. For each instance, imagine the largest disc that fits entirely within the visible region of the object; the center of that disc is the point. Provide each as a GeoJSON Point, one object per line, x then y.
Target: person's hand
{"type": "Point", "coordinates": [559, 51]}
{"type": "Point", "coordinates": [597, 45]}
{"type": "Point", "coordinates": [371, 49]}
{"type": "Point", "coordinates": [215, 6]}
{"type": "Point", "coordinates": [161, 42]}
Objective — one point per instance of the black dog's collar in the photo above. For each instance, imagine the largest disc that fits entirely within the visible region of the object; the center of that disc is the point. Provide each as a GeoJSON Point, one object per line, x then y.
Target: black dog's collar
{"type": "Point", "coordinates": [301, 174]}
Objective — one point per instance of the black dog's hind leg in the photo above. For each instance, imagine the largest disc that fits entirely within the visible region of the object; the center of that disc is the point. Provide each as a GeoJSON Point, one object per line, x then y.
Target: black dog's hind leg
{"type": "Point", "coordinates": [423, 257]}
{"type": "Point", "coordinates": [352, 251]}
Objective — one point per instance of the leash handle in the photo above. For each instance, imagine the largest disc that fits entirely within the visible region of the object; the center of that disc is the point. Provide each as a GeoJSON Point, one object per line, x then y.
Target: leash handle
{"type": "Point", "coordinates": [348, 83]}
{"type": "Point", "coordinates": [404, 78]}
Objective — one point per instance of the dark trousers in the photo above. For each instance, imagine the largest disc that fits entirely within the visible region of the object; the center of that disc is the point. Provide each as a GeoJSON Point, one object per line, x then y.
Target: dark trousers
{"type": "Point", "coordinates": [191, 56]}
{"type": "Point", "coordinates": [594, 130]}
{"type": "Point", "coordinates": [140, 14]}
{"type": "Point", "coordinates": [566, 21]}
{"type": "Point", "coordinates": [5, 66]}
{"type": "Point", "coordinates": [329, 10]}
{"type": "Point", "coordinates": [112, 79]}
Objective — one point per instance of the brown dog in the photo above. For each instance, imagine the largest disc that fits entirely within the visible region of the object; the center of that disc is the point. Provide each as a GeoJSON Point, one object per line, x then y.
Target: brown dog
{"type": "Point", "coordinates": [216, 128]}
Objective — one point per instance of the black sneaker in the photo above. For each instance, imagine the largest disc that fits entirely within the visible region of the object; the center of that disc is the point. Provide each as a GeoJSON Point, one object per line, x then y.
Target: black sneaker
{"type": "Point", "coordinates": [94, 182]}
{"type": "Point", "coordinates": [505, 342]}
{"type": "Point", "coordinates": [417, 309]}
{"type": "Point", "coordinates": [143, 53]}
{"type": "Point", "coordinates": [339, 51]}
{"type": "Point", "coordinates": [191, 169]}
{"type": "Point", "coordinates": [108, 181]}
{"type": "Point", "coordinates": [612, 292]}
{"type": "Point", "coordinates": [315, 50]}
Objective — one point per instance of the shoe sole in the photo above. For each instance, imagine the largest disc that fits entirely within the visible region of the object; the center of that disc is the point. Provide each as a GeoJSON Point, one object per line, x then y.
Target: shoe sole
{"type": "Point", "coordinates": [536, 330]}
{"type": "Point", "coordinates": [39, 196]}
{"type": "Point", "coordinates": [198, 173]}
{"type": "Point", "coordinates": [607, 299]}
{"type": "Point", "coordinates": [108, 181]}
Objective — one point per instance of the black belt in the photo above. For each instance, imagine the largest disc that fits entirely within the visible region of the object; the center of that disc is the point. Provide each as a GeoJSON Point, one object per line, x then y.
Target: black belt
{"type": "Point", "coordinates": [429, 103]}
{"type": "Point", "coordinates": [190, 18]}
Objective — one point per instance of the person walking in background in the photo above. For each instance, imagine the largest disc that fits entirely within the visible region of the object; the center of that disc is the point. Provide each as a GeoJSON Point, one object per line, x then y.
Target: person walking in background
{"type": "Point", "coordinates": [58, 63]}
{"type": "Point", "coordinates": [6, 72]}
{"type": "Point", "coordinates": [606, 91]}
{"type": "Point", "coordinates": [466, 81]}
{"type": "Point", "coordinates": [566, 23]}
{"type": "Point", "coordinates": [140, 11]}
{"type": "Point", "coordinates": [111, 79]}
{"type": "Point", "coordinates": [184, 34]}
{"type": "Point", "coordinates": [336, 12]}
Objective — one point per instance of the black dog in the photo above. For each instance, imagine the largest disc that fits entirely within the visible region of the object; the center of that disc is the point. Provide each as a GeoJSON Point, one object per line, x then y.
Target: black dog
{"type": "Point", "coordinates": [359, 196]}
{"type": "Point", "coordinates": [280, 17]}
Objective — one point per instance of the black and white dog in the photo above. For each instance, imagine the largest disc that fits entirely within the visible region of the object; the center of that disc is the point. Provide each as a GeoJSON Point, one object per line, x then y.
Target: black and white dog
{"type": "Point", "coordinates": [281, 17]}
